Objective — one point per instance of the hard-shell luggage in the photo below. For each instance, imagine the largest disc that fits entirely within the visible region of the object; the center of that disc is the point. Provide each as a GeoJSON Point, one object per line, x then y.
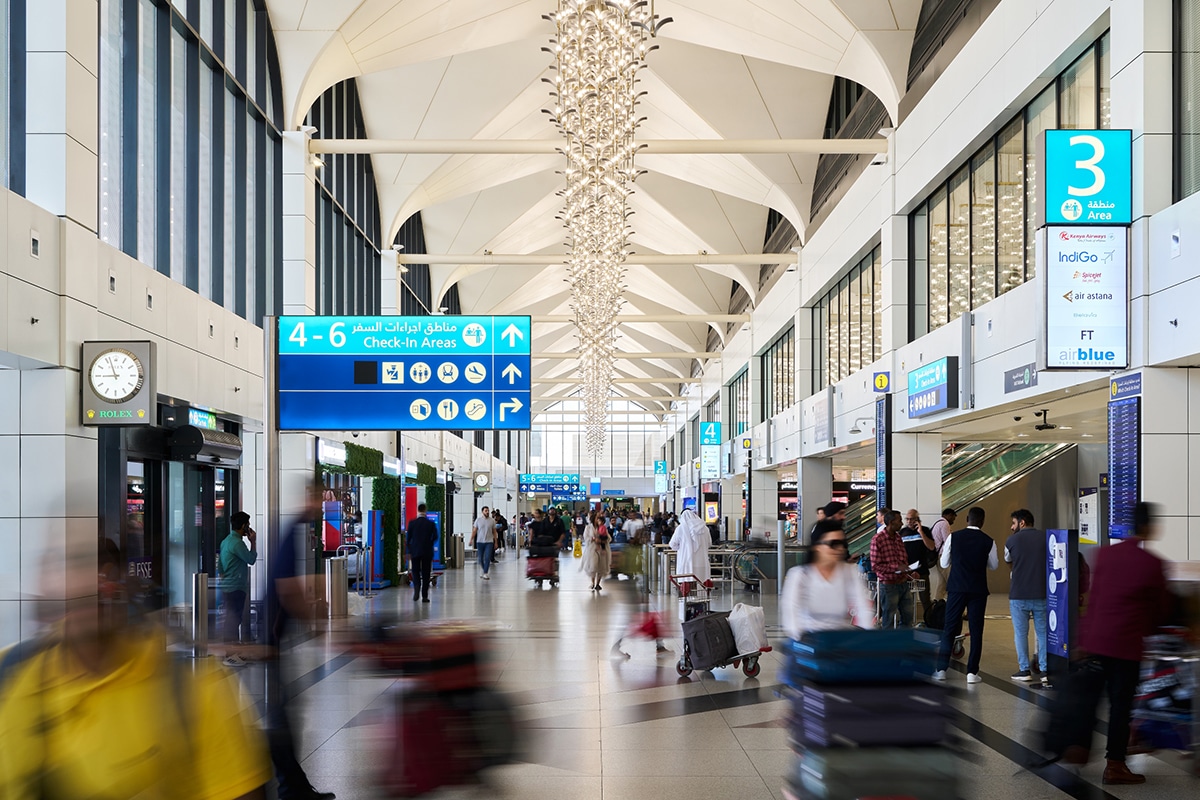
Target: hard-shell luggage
{"type": "Point", "coordinates": [867, 716]}
{"type": "Point", "coordinates": [543, 551]}
{"type": "Point", "coordinates": [921, 773]}
{"type": "Point", "coordinates": [710, 640]}
{"type": "Point", "coordinates": [541, 567]}
{"type": "Point", "coordinates": [860, 656]}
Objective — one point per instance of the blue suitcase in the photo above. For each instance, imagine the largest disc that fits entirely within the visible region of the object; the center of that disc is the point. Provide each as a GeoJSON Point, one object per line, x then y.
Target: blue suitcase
{"type": "Point", "coordinates": [907, 715]}
{"type": "Point", "coordinates": [860, 656]}
{"type": "Point", "coordinates": [914, 773]}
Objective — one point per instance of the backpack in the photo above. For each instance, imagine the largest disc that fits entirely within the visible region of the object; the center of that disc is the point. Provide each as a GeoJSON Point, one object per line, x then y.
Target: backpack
{"type": "Point", "coordinates": [935, 615]}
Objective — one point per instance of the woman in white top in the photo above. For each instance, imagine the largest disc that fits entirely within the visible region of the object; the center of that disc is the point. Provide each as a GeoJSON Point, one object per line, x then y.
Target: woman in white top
{"type": "Point", "coordinates": [827, 593]}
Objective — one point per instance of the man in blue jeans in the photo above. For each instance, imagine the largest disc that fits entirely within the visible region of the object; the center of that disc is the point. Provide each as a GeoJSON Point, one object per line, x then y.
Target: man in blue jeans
{"type": "Point", "coordinates": [483, 539]}
{"type": "Point", "coordinates": [1026, 551]}
{"type": "Point", "coordinates": [890, 564]}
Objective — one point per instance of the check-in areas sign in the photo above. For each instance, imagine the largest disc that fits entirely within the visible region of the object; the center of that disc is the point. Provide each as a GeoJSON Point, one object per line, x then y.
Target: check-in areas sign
{"type": "Point", "coordinates": [1087, 299]}
{"type": "Point", "coordinates": [710, 451]}
{"type": "Point", "coordinates": [933, 387]}
{"type": "Point", "coordinates": [403, 373]}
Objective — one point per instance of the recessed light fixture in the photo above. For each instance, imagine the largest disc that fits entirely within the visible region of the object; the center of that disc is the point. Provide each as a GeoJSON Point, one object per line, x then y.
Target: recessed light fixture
{"type": "Point", "coordinates": [1065, 428]}
{"type": "Point", "coordinates": [1023, 435]}
{"type": "Point", "coordinates": [1086, 435]}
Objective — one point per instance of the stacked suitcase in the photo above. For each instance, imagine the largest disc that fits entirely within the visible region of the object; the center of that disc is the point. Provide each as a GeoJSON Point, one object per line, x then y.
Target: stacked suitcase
{"type": "Point", "coordinates": [865, 719]}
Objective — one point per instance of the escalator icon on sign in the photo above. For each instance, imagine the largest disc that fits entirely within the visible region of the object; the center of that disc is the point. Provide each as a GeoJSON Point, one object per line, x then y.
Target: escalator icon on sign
{"type": "Point", "coordinates": [420, 409]}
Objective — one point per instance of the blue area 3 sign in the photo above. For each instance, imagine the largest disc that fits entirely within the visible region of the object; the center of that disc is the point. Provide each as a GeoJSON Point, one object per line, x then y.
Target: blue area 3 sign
{"type": "Point", "coordinates": [1089, 177]}
{"type": "Point", "coordinates": [403, 373]}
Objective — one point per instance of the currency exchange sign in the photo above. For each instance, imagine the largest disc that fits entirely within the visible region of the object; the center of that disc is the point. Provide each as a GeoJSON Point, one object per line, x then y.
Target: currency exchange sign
{"type": "Point", "coordinates": [403, 373]}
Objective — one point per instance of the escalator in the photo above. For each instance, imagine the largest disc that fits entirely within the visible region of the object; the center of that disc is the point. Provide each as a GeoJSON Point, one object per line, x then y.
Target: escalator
{"type": "Point", "coordinates": [970, 472]}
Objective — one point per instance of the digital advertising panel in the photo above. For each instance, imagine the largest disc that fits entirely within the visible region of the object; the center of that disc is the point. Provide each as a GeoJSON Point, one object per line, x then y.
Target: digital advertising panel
{"type": "Point", "coordinates": [1087, 298]}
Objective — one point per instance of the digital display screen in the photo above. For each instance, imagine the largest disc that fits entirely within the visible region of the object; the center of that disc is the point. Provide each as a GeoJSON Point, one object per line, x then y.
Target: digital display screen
{"type": "Point", "coordinates": [933, 387]}
{"type": "Point", "coordinates": [1124, 464]}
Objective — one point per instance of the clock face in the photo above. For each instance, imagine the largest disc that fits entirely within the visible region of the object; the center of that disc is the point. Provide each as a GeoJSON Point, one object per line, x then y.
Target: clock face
{"type": "Point", "coordinates": [481, 480]}
{"type": "Point", "coordinates": [116, 375]}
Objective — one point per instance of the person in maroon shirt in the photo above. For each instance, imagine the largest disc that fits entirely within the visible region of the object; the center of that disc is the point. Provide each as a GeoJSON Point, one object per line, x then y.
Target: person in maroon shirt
{"type": "Point", "coordinates": [1129, 600]}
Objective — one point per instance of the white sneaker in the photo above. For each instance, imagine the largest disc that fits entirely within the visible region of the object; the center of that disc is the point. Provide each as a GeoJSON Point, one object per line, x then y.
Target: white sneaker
{"type": "Point", "coordinates": [487, 577]}
{"type": "Point", "coordinates": [973, 677]}
{"type": "Point", "coordinates": [940, 675]}
{"type": "Point", "coordinates": [234, 661]}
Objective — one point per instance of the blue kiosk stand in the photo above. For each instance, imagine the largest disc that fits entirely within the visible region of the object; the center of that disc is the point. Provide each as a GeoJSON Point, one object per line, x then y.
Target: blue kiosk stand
{"type": "Point", "coordinates": [1062, 600]}
{"type": "Point", "coordinates": [373, 534]}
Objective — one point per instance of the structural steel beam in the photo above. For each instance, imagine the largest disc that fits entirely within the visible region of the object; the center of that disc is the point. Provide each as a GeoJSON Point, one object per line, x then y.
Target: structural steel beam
{"type": "Point", "coordinates": [673, 354]}
{"type": "Point", "coordinates": [634, 319]}
{"type": "Point", "coordinates": [554, 146]}
{"type": "Point", "coordinates": [617, 380]}
{"type": "Point", "coordinates": [644, 259]}
{"type": "Point", "coordinates": [621, 412]}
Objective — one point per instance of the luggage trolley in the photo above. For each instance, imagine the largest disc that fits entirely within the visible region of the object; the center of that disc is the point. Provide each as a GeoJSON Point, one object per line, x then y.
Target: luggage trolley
{"type": "Point", "coordinates": [695, 599]}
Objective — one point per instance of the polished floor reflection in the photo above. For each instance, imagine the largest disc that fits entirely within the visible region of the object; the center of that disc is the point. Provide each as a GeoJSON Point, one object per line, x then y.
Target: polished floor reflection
{"type": "Point", "coordinates": [604, 727]}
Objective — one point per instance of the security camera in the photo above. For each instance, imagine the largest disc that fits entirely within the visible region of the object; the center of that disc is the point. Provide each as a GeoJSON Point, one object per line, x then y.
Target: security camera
{"type": "Point", "coordinates": [1038, 413]}
{"type": "Point", "coordinates": [354, 434]}
{"type": "Point", "coordinates": [1016, 419]}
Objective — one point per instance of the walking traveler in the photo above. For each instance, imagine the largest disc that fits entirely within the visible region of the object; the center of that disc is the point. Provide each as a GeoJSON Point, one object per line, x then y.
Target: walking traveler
{"type": "Point", "coordinates": [233, 565]}
{"type": "Point", "coordinates": [1026, 551]}
{"type": "Point", "coordinates": [829, 518]}
{"type": "Point", "coordinates": [889, 562]}
{"type": "Point", "coordinates": [483, 539]}
{"type": "Point", "coordinates": [938, 575]}
{"type": "Point", "coordinates": [421, 535]}
{"type": "Point", "coordinates": [597, 550]}
{"type": "Point", "coordinates": [969, 553]}
{"type": "Point", "coordinates": [691, 541]}
{"type": "Point", "coordinates": [826, 593]}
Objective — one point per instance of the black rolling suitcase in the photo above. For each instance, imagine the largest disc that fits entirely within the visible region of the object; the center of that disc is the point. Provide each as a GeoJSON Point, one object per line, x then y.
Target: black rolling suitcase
{"type": "Point", "coordinates": [906, 715]}
{"type": "Point", "coordinates": [919, 773]}
{"type": "Point", "coordinates": [710, 640]}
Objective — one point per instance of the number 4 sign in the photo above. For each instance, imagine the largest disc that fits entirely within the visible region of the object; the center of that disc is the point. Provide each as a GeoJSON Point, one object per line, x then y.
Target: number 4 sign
{"type": "Point", "coordinates": [1088, 177]}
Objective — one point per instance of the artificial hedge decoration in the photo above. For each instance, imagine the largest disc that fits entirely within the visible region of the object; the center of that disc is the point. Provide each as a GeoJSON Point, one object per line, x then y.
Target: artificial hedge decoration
{"type": "Point", "coordinates": [385, 497]}
{"type": "Point", "coordinates": [365, 461]}
{"type": "Point", "coordinates": [435, 497]}
{"type": "Point", "coordinates": [426, 475]}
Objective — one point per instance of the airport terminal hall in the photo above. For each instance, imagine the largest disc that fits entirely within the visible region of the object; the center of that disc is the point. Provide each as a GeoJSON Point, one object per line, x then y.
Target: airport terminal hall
{"type": "Point", "coordinates": [599, 399]}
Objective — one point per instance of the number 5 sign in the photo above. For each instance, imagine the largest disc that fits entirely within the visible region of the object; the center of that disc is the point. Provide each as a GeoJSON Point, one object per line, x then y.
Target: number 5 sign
{"type": "Point", "coordinates": [1088, 177]}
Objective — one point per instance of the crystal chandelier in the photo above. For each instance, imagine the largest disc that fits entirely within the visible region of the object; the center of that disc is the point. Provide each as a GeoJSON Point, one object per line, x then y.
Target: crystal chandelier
{"type": "Point", "coordinates": [599, 48]}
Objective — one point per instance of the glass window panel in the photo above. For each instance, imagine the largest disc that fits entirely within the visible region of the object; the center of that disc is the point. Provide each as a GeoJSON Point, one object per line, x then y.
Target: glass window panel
{"type": "Point", "coordinates": [960, 244]}
{"type": "Point", "coordinates": [1077, 96]}
{"type": "Point", "coordinates": [831, 332]}
{"type": "Point", "coordinates": [251, 52]}
{"type": "Point", "coordinates": [227, 257]}
{"type": "Point", "coordinates": [110, 116]}
{"type": "Point", "coordinates": [205, 223]}
{"type": "Point", "coordinates": [854, 324]}
{"type": "Point", "coordinates": [252, 189]}
{"type": "Point", "coordinates": [1039, 116]}
{"type": "Point", "coordinates": [230, 54]}
{"type": "Point", "coordinates": [1104, 69]}
{"type": "Point", "coordinates": [877, 293]}
{"type": "Point", "coordinates": [4, 95]}
{"type": "Point", "coordinates": [1188, 97]}
{"type": "Point", "coordinates": [179, 133]}
{"type": "Point", "coordinates": [983, 227]}
{"type": "Point", "coordinates": [919, 298]}
{"type": "Point", "coordinates": [1010, 206]}
{"type": "Point", "coordinates": [939, 263]}
{"type": "Point", "coordinates": [206, 21]}
{"type": "Point", "coordinates": [147, 204]}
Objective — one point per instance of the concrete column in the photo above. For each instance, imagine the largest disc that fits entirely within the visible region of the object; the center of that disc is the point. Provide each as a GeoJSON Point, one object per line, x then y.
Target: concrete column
{"type": "Point", "coordinates": [916, 479]}
{"type": "Point", "coordinates": [893, 254]}
{"type": "Point", "coordinates": [1171, 458]}
{"type": "Point", "coordinates": [299, 209]}
{"type": "Point", "coordinates": [389, 285]}
{"type": "Point", "coordinates": [814, 489]}
{"type": "Point", "coordinates": [62, 123]}
{"type": "Point", "coordinates": [48, 501]}
{"type": "Point", "coordinates": [764, 501]}
{"type": "Point", "coordinates": [1142, 64]}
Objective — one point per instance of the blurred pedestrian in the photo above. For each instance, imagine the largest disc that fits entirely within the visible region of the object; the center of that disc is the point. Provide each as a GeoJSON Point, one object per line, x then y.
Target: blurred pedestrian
{"type": "Point", "coordinates": [292, 592]}
{"type": "Point", "coordinates": [419, 540]}
{"type": "Point", "coordinates": [483, 539]}
{"type": "Point", "coordinates": [501, 534]}
{"type": "Point", "coordinates": [831, 517]}
{"type": "Point", "coordinates": [889, 562]}
{"type": "Point", "coordinates": [938, 574]}
{"type": "Point", "coordinates": [827, 592]}
{"type": "Point", "coordinates": [1129, 600]}
{"type": "Point", "coordinates": [969, 553]}
{"type": "Point", "coordinates": [233, 569]}
{"type": "Point", "coordinates": [97, 708]}
{"type": "Point", "coordinates": [597, 550]}
{"type": "Point", "coordinates": [1026, 551]}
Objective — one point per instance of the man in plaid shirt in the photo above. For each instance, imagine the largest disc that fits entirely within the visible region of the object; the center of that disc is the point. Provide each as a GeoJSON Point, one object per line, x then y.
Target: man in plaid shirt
{"type": "Point", "coordinates": [889, 561]}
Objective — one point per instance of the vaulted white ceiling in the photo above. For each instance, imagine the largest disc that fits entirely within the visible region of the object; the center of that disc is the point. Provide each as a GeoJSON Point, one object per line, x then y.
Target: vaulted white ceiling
{"type": "Point", "coordinates": [473, 69]}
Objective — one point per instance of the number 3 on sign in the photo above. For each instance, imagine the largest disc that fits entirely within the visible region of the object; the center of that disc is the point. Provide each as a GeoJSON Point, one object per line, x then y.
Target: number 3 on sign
{"type": "Point", "coordinates": [1089, 164]}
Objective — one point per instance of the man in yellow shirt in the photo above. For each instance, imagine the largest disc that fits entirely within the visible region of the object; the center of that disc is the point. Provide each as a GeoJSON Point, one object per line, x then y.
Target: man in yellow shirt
{"type": "Point", "coordinates": [99, 709]}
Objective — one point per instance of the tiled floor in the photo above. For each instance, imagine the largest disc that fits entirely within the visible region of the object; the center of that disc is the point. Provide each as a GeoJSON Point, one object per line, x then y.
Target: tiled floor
{"type": "Point", "coordinates": [599, 727]}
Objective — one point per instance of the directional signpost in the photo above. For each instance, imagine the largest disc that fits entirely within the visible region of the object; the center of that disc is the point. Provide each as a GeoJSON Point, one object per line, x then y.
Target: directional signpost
{"type": "Point", "coordinates": [710, 451]}
{"type": "Point", "coordinates": [551, 483]}
{"type": "Point", "coordinates": [403, 373]}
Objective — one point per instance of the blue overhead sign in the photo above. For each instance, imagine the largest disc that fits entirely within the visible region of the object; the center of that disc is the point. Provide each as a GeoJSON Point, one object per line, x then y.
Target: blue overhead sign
{"type": "Point", "coordinates": [1088, 177]}
{"type": "Point", "coordinates": [403, 373]}
{"type": "Point", "coordinates": [549, 482]}
{"type": "Point", "coordinates": [933, 387]}
{"type": "Point", "coordinates": [710, 433]}
{"type": "Point", "coordinates": [549, 477]}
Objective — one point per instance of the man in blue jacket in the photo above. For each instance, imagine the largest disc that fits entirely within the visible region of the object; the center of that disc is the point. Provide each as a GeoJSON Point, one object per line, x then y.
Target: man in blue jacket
{"type": "Point", "coordinates": [421, 535]}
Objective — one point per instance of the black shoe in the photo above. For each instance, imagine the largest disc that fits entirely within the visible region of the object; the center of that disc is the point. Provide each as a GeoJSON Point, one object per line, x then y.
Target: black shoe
{"type": "Point", "coordinates": [424, 599]}
{"type": "Point", "coordinates": [416, 597]}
